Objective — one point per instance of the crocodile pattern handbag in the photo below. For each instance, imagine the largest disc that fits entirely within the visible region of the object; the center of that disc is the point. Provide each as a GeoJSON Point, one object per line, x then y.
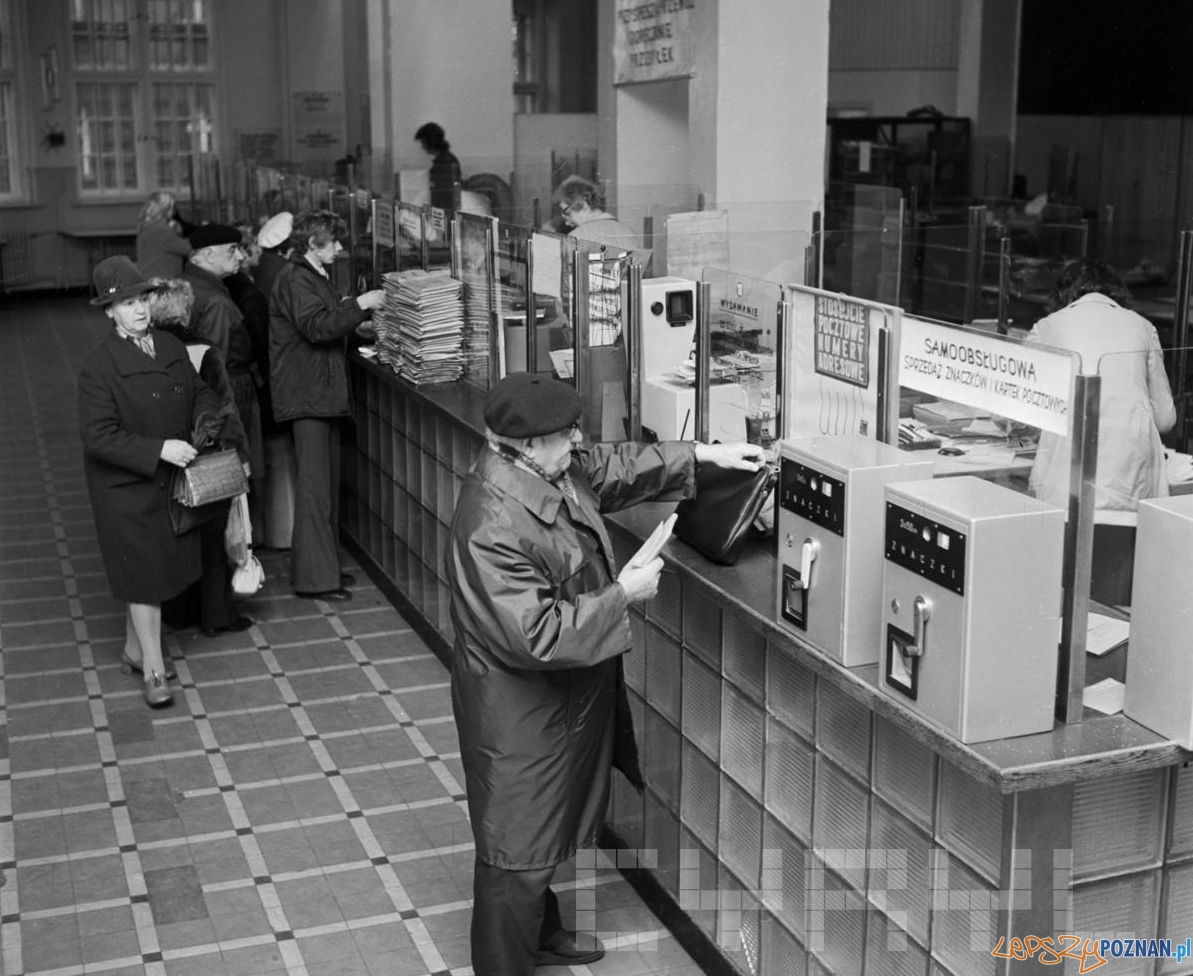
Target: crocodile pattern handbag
{"type": "Point", "coordinates": [213, 477]}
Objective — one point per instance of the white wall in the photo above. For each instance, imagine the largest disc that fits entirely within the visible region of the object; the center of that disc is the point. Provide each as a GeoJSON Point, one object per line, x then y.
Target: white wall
{"type": "Point", "coordinates": [451, 63]}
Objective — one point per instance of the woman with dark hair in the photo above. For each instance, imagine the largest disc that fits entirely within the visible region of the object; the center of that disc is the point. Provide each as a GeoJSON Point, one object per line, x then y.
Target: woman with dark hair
{"type": "Point", "coordinates": [308, 379]}
{"type": "Point", "coordinates": [445, 168]}
{"type": "Point", "coordinates": [1091, 315]}
{"type": "Point", "coordinates": [161, 249]}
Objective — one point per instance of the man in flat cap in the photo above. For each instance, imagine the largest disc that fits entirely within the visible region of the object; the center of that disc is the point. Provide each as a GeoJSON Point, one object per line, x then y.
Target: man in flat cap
{"type": "Point", "coordinates": [540, 615]}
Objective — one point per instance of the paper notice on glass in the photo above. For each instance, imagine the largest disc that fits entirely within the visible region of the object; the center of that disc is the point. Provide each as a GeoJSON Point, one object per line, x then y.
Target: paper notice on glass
{"type": "Point", "coordinates": [561, 362]}
{"type": "Point", "coordinates": [1103, 634]}
{"type": "Point", "coordinates": [548, 265]}
{"type": "Point", "coordinates": [696, 241]}
{"type": "Point", "coordinates": [1106, 696]}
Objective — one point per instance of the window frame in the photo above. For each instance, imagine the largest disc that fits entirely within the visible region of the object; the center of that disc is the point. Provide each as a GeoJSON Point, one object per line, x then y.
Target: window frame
{"type": "Point", "coordinates": [145, 78]}
{"type": "Point", "coordinates": [17, 130]}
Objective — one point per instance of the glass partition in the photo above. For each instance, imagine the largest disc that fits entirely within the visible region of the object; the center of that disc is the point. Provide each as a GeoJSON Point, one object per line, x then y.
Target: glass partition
{"type": "Point", "coordinates": [600, 315]}
{"type": "Point", "coordinates": [475, 263]}
{"type": "Point", "coordinates": [744, 341]}
{"type": "Point", "coordinates": [411, 230]}
{"type": "Point", "coordinates": [512, 279]}
{"type": "Point", "coordinates": [551, 349]}
{"type": "Point", "coordinates": [384, 256]}
{"type": "Point", "coordinates": [862, 240]}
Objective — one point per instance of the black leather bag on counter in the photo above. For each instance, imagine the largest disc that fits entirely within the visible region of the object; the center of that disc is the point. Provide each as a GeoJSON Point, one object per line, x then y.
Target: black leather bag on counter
{"type": "Point", "coordinates": [717, 521]}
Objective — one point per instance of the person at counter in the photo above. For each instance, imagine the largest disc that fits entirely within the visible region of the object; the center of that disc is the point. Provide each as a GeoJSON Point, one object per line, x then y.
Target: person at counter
{"type": "Point", "coordinates": [308, 382]}
{"type": "Point", "coordinates": [1091, 315]}
{"type": "Point", "coordinates": [445, 168]}
{"type": "Point", "coordinates": [541, 622]}
{"type": "Point", "coordinates": [578, 202]}
{"type": "Point", "coordinates": [162, 249]}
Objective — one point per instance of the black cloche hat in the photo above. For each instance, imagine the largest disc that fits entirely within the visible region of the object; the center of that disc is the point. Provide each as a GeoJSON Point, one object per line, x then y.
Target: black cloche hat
{"type": "Point", "coordinates": [117, 278]}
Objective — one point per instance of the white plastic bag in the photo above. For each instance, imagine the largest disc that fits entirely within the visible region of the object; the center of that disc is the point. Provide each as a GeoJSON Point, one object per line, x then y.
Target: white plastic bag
{"type": "Point", "coordinates": [238, 532]}
{"type": "Point", "coordinates": [249, 578]}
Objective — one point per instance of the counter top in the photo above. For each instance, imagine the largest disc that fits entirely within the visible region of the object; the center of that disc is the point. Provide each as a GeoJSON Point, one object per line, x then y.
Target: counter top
{"type": "Point", "coordinates": [1100, 745]}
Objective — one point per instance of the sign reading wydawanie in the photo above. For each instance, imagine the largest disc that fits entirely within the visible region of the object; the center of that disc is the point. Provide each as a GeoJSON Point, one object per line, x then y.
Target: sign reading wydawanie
{"type": "Point", "coordinates": [652, 40]}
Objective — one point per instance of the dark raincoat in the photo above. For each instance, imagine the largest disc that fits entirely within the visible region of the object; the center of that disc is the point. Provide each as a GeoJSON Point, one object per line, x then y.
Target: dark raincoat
{"type": "Point", "coordinates": [540, 627]}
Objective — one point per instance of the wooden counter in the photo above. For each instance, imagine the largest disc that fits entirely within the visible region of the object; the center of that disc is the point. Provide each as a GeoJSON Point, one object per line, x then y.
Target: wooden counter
{"type": "Point", "coordinates": [796, 819]}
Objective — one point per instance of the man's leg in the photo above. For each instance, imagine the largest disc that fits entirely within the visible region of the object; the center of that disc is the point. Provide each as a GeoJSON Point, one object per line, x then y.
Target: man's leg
{"type": "Point", "coordinates": [314, 551]}
{"type": "Point", "coordinates": [507, 919]}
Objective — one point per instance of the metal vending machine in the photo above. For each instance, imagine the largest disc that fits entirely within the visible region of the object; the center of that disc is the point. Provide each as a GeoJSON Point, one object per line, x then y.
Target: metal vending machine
{"type": "Point", "coordinates": [971, 601]}
{"type": "Point", "coordinates": [1160, 655]}
{"type": "Point", "coordinates": [830, 540]}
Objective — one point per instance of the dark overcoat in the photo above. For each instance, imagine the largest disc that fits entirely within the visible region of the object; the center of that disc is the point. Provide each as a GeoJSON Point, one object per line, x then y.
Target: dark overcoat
{"type": "Point", "coordinates": [540, 627]}
{"type": "Point", "coordinates": [129, 404]}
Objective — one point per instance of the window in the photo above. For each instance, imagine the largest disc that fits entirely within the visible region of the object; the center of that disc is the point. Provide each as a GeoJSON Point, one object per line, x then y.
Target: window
{"type": "Point", "coordinates": [554, 56]}
{"type": "Point", "coordinates": [8, 111]}
{"type": "Point", "coordinates": [144, 84]}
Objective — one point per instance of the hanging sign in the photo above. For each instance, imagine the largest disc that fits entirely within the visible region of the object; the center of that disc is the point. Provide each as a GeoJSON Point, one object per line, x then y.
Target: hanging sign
{"type": "Point", "coordinates": [383, 224]}
{"type": "Point", "coordinates": [652, 39]}
{"type": "Point", "coordinates": [1026, 382]}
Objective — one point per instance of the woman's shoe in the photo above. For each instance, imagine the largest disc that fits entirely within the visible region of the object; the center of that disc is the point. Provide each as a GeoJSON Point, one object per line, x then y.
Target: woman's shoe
{"type": "Point", "coordinates": [128, 666]}
{"type": "Point", "coordinates": [157, 692]}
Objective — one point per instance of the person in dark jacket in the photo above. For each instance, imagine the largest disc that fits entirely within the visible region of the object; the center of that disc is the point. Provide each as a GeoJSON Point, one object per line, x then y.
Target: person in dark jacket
{"type": "Point", "coordinates": [162, 249]}
{"type": "Point", "coordinates": [308, 380]}
{"type": "Point", "coordinates": [274, 240]}
{"type": "Point", "coordinates": [210, 601]}
{"type": "Point", "coordinates": [540, 616]}
{"type": "Point", "coordinates": [216, 320]}
{"type": "Point", "coordinates": [445, 168]}
{"type": "Point", "coordinates": [139, 401]}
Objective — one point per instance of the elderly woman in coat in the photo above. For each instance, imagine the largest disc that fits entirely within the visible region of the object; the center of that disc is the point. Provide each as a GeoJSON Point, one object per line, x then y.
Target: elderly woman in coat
{"type": "Point", "coordinates": [540, 617]}
{"type": "Point", "coordinates": [139, 400]}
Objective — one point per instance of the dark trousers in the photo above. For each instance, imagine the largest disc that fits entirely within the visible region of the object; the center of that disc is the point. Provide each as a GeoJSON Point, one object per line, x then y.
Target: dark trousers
{"type": "Point", "coordinates": [1113, 565]}
{"type": "Point", "coordinates": [513, 913]}
{"type": "Point", "coordinates": [209, 600]}
{"type": "Point", "coordinates": [315, 546]}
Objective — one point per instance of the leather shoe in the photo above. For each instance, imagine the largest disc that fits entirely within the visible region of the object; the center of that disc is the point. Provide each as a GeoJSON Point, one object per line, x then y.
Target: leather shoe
{"type": "Point", "coordinates": [237, 625]}
{"type": "Point", "coordinates": [566, 948]}
{"type": "Point", "coordinates": [347, 579]}
{"type": "Point", "coordinates": [157, 693]}
{"type": "Point", "coordinates": [335, 596]}
{"type": "Point", "coordinates": [128, 666]}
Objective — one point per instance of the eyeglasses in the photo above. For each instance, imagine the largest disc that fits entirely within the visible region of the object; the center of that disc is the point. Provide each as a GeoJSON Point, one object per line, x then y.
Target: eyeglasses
{"type": "Point", "coordinates": [565, 209]}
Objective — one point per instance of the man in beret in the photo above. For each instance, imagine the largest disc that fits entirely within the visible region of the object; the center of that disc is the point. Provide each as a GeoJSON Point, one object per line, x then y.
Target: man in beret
{"type": "Point", "coordinates": [540, 615]}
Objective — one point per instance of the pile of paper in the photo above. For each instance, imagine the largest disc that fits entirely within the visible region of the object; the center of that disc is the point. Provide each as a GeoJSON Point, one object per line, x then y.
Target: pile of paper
{"type": "Point", "coordinates": [429, 314]}
{"type": "Point", "coordinates": [385, 322]}
{"type": "Point", "coordinates": [477, 320]}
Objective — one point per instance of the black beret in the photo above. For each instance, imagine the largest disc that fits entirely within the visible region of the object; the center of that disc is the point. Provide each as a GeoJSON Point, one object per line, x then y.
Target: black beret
{"type": "Point", "coordinates": [209, 235]}
{"type": "Point", "coordinates": [526, 405]}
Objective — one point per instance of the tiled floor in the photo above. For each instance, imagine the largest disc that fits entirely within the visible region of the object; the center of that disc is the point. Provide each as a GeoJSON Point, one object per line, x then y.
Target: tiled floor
{"type": "Point", "coordinates": [299, 809]}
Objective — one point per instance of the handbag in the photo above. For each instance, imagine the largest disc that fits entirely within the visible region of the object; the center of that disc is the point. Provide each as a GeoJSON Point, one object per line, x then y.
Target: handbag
{"type": "Point", "coordinates": [717, 521]}
{"type": "Point", "coordinates": [203, 490]}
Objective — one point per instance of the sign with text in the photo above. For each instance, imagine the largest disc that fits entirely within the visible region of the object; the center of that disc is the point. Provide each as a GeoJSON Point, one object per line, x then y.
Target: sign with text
{"type": "Point", "coordinates": [652, 40]}
{"type": "Point", "coordinates": [318, 124]}
{"type": "Point", "coordinates": [833, 381]}
{"type": "Point", "coordinates": [383, 224]}
{"type": "Point", "coordinates": [1026, 382]}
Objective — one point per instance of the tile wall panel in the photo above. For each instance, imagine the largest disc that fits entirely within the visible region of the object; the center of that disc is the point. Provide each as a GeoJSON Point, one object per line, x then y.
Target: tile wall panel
{"type": "Point", "coordinates": [663, 673]}
{"type": "Point", "coordinates": [969, 820]}
{"type": "Point", "coordinates": [784, 956]}
{"type": "Point", "coordinates": [445, 500]}
{"type": "Point", "coordinates": [702, 625]}
{"type": "Point", "coordinates": [904, 772]}
{"type": "Point", "coordinates": [836, 921]}
{"type": "Point", "coordinates": [743, 654]}
{"type": "Point", "coordinates": [788, 900]}
{"type": "Point", "coordinates": [742, 739]}
{"type": "Point", "coordinates": [634, 662]}
{"type": "Point", "coordinates": [698, 884]}
{"type": "Point", "coordinates": [964, 921]}
{"type": "Point", "coordinates": [790, 691]}
{"type": "Point", "coordinates": [840, 819]}
{"type": "Point", "coordinates": [700, 793]}
{"type": "Point", "coordinates": [790, 762]}
{"type": "Point", "coordinates": [662, 839]}
{"type": "Point", "coordinates": [739, 921]}
{"type": "Point", "coordinates": [401, 469]}
{"type": "Point", "coordinates": [739, 835]}
{"type": "Point", "coordinates": [662, 757]}
{"type": "Point", "coordinates": [890, 951]}
{"type": "Point", "coordinates": [1115, 827]}
{"type": "Point", "coordinates": [899, 878]}
{"type": "Point", "coordinates": [1178, 917]}
{"type": "Point", "coordinates": [1181, 841]}
{"type": "Point", "coordinates": [627, 815]}
{"type": "Point", "coordinates": [665, 610]}
{"type": "Point", "coordinates": [430, 477]}
{"type": "Point", "coordinates": [1118, 908]}
{"type": "Point", "coordinates": [701, 705]}
{"type": "Point", "coordinates": [843, 730]}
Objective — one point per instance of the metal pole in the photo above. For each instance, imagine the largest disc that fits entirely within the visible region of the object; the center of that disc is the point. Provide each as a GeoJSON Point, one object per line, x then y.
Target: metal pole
{"type": "Point", "coordinates": [812, 265]}
{"type": "Point", "coordinates": [633, 343]}
{"type": "Point", "coordinates": [532, 330]}
{"type": "Point", "coordinates": [975, 247]}
{"type": "Point", "coordinates": [1004, 282]}
{"type": "Point", "coordinates": [1180, 334]}
{"type": "Point", "coordinates": [1079, 545]}
{"type": "Point", "coordinates": [703, 358]}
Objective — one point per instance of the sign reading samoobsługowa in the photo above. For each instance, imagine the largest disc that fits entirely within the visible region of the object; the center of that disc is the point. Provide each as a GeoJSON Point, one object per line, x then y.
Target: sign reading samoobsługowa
{"type": "Point", "coordinates": [1021, 381]}
{"type": "Point", "coordinates": [652, 40]}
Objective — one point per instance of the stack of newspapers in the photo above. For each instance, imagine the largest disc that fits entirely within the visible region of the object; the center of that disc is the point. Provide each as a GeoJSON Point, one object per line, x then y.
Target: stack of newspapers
{"type": "Point", "coordinates": [425, 314]}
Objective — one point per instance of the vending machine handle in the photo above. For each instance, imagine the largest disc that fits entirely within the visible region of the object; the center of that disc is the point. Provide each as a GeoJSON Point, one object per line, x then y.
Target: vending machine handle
{"type": "Point", "coordinates": [921, 612]}
{"type": "Point", "coordinates": [807, 555]}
